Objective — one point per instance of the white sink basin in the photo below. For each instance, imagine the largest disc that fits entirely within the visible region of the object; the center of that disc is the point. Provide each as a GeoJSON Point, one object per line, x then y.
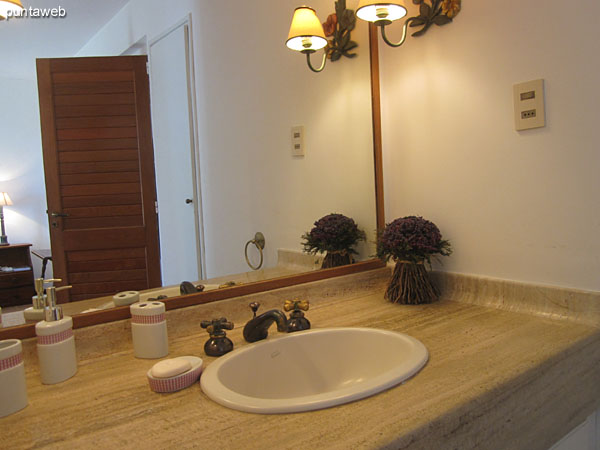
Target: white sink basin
{"type": "Point", "coordinates": [312, 369]}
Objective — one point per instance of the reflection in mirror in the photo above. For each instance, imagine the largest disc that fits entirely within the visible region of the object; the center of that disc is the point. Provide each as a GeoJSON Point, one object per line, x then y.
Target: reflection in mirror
{"type": "Point", "coordinates": [225, 96]}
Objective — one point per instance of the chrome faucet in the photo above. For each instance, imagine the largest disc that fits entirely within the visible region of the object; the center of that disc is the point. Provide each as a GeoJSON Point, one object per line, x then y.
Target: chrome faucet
{"type": "Point", "coordinates": [258, 327]}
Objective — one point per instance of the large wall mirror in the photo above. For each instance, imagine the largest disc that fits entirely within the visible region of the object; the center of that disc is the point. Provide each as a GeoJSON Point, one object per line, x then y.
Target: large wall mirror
{"type": "Point", "coordinates": [229, 144]}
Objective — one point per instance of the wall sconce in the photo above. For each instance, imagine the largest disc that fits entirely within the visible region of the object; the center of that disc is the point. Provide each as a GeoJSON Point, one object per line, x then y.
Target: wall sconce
{"type": "Point", "coordinates": [4, 201]}
{"type": "Point", "coordinates": [438, 12]}
{"type": "Point", "coordinates": [306, 35]}
{"type": "Point", "coordinates": [9, 5]}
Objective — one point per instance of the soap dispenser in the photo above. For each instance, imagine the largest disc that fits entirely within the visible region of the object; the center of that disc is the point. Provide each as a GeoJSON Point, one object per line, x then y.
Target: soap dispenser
{"type": "Point", "coordinates": [36, 312]}
{"type": "Point", "coordinates": [55, 341]}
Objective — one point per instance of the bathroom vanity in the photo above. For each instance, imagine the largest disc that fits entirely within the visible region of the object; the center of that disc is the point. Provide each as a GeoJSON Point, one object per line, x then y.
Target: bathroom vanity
{"type": "Point", "coordinates": [506, 373]}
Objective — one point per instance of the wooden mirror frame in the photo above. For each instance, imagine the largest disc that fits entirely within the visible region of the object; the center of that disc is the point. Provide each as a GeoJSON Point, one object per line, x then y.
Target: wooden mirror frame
{"type": "Point", "coordinates": [122, 312]}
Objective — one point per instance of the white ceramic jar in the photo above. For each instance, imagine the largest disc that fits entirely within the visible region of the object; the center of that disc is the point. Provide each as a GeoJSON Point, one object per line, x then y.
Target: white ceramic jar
{"type": "Point", "coordinates": [56, 350]}
{"type": "Point", "coordinates": [13, 390]}
{"type": "Point", "coordinates": [149, 330]}
{"type": "Point", "coordinates": [126, 298]}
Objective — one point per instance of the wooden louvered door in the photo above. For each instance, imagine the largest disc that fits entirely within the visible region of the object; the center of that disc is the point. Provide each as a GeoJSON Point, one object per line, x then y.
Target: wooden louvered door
{"type": "Point", "coordinates": [99, 169]}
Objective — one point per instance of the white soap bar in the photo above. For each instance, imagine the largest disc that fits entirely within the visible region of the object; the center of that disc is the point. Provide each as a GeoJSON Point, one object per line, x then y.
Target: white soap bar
{"type": "Point", "coordinates": [170, 367]}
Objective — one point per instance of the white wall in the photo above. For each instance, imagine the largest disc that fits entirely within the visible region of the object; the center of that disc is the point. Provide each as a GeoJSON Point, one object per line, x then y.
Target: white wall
{"type": "Point", "coordinates": [250, 91]}
{"type": "Point", "coordinates": [21, 170]}
{"type": "Point", "coordinates": [516, 205]}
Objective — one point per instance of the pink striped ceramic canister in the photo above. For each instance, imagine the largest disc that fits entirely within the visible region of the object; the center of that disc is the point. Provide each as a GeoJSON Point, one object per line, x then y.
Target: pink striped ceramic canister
{"type": "Point", "coordinates": [149, 330]}
{"type": "Point", "coordinates": [13, 391]}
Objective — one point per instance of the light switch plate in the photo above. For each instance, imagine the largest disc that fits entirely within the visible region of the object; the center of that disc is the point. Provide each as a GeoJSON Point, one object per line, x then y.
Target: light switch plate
{"type": "Point", "coordinates": [528, 101]}
{"type": "Point", "coordinates": [298, 140]}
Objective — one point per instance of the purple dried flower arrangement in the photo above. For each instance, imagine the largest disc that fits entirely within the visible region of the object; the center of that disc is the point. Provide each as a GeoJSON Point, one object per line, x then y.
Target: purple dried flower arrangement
{"type": "Point", "coordinates": [335, 234]}
{"type": "Point", "coordinates": [411, 241]}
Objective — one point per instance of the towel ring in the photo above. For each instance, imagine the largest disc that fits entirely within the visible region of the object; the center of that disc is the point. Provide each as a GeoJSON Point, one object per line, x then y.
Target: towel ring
{"type": "Point", "coordinates": [259, 242]}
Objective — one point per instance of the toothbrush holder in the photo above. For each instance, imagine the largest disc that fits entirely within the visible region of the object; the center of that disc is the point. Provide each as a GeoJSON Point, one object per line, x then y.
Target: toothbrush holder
{"type": "Point", "coordinates": [149, 330]}
{"type": "Point", "coordinates": [13, 390]}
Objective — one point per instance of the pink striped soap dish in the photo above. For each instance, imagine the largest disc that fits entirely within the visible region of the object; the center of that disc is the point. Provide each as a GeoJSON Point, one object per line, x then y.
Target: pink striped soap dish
{"type": "Point", "coordinates": [172, 375]}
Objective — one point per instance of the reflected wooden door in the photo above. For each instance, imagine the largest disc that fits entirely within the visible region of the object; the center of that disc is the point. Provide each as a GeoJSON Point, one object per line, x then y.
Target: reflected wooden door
{"type": "Point", "coordinates": [99, 169]}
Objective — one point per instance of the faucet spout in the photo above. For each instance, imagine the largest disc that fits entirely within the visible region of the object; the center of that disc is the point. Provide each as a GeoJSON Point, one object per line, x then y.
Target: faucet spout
{"type": "Point", "coordinates": [258, 328]}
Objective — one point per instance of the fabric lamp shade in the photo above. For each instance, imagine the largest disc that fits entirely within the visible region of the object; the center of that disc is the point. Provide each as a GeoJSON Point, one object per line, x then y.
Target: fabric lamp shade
{"type": "Point", "coordinates": [374, 11]}
{"type": "Point", "coordinates": [306, 31]}
{"type": "Point", "coordinates": [5, 199]}
{"type": "Point", "coordinates": [9, 5]}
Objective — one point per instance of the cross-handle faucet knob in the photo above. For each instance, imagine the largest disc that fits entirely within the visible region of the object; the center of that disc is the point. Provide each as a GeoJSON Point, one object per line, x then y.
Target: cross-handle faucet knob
{"type": "Point", "coordinates": [296, 305]}
{"type": "Point", "coordinates": [219, 343]}
{"type": "Point", "coordinates": [215, 327]}
{"type": "Point", "coordinates": [297, 321]}
{"type": "Point", "coordinates": [254, 307]}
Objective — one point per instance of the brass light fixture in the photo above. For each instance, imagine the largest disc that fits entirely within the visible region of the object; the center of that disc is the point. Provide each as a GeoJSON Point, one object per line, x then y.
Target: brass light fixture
{"type": "Point", "coordinates": [436, 12]}
{"type": "Point", "coordinates": [4, 201]}
{"type": "Point", "coordinates": [306, 35]}
{"type": "Point", "coordinates": [9, 5]}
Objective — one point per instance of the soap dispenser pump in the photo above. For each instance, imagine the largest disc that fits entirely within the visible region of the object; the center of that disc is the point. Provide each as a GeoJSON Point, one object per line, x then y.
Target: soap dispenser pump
{"type": "Point", "coordinates": [56, 343]}
{"type": "Point", "coordinates": [36, 311]}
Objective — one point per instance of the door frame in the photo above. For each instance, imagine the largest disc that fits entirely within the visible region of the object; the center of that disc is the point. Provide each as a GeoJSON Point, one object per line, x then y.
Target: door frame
{"type": "Point", "coordinates": [186, 23]}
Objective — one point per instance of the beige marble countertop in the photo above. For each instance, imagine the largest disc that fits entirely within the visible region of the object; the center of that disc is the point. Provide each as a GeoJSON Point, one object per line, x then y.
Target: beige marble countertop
{"type": "Point", "coordinates": [495, 379]}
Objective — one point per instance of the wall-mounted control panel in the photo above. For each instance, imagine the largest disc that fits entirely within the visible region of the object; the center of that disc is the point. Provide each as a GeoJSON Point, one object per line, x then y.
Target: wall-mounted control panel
{"type": "Point", "coordinates": [528, 99]}
{"type": "Point", "coordinates": [298, 140]}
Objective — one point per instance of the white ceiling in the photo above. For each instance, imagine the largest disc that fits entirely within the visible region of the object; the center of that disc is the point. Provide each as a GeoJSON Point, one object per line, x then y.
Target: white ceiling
{"type": "Point", "coordinates": [23, 40]}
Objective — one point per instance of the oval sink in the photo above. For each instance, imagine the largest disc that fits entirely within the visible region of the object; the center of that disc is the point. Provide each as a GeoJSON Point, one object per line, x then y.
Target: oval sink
{"type": "Point", "coordinates": [312, 369]}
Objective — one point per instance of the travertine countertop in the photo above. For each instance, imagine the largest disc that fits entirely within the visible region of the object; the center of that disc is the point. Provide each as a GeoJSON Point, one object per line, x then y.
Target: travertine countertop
{"type": "Point", "coordinates": [495, 379]}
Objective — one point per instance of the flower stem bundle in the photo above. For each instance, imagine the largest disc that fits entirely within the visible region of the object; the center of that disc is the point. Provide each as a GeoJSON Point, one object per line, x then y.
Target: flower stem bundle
{"type": "Point", "coordinates": [411, 242]}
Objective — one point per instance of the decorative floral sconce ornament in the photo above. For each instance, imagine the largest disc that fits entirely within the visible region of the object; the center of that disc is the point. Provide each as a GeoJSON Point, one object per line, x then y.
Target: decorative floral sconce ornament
{"type": "Point", "coordinates": [438, 12]}
{"type": "Point", "coordinates": [339, 26]}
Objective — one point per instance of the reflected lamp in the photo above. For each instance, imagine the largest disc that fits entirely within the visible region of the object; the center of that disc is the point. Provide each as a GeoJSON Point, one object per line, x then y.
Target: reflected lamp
{"type": "Point", "coordinates": [4, 201]}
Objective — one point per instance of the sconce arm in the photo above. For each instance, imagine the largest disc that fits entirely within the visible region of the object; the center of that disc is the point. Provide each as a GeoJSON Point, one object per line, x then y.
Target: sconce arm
{"type": "Point", "coordinates": [322, 63]}
{"type": "Point", "coordinates": [404, 33]}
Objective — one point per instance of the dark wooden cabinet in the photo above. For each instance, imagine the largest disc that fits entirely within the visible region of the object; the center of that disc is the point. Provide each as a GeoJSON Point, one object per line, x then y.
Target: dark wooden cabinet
{"type": "Point", "coordinates": [16, 287]}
